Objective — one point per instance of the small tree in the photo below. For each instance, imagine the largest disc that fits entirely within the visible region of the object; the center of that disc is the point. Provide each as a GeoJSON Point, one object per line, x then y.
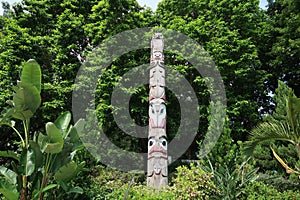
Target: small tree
{"type": "Point", "coordinates": [284, 125]}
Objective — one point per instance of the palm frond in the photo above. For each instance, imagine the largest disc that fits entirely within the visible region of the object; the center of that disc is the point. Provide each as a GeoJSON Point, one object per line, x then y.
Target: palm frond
{"type": "Point", "coordinates": [286, 167]}
{"type": "Point", "coordinates": [269, 131]}
{"type": "Point", "coordinates": [293, 112]}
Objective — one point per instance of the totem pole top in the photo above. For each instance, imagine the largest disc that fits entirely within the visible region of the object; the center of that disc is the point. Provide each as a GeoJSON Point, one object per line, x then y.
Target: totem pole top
{"type": "Point", "coordinates": [157, 47]}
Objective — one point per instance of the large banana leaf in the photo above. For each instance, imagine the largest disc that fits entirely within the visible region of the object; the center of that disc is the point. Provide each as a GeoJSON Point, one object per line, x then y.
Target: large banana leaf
{"type": "Point", "coordinates": [9, 175]}
{"type": "Point", "coordinates": [10, 154]}
{"type": "Point", "coordinates": [68, 171]}
{"type": "Point", "coordinates": [52, 142]}
{"type": "Point", "coordinates": [31, 74]}
{"type": "Point", "coordinates": [9, 191]}
{"type": "Point", "coordinates": [27, 93]}
{"type": "Point", "coordinates": [8, 181]}
{"type": "Point", "coordinates": [38, 154]}
{"type": "Point", "coordinates": [27, 161]}
{"type": "Point", "coordinates": [5, 116]}
{"type": "Point", "coordinates": [74, 135]}
{"type": "Point", "coordinates": [26, 100]}
{"type": "Point", "coordinates": [62, 123]}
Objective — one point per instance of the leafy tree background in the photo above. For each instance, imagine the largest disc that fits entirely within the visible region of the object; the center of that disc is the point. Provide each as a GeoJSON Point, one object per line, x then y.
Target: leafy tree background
{"type": "Point", "coordinates": [252, 48]}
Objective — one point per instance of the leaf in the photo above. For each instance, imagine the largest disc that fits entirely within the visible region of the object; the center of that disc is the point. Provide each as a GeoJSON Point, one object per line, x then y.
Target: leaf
{"type": "Point", "coordinates": [38, 154]}
{"type": "Point", "coordinates": [63, 157]}
{"type": "Point", "coordinates": [26, 97]}
{"type": "Point", "coordinates": [62, 122]}
{"type": "Point", "coordinates": [23, 114]}
{"type": "Point", "coordinates": [6, 114]}
{"type": "Point", "coordinates": [293, 112]}
{"type": "Point", "coordinates": [74, 139]}
{"type": "Point", "coordinates": [66, 172]}
{"type": "Point", "coordinates": [53, 142]}
{"type": "Point", "coordinates": [48, 187]}
{"type": "Point", "coordinates": [10, 154]}
{"type": "Point", "coordinates": [9, 175]}
{"type": "Point", "coordinates": [76, 189]}
{"type": "Point", "coordinates": [80, 126]}
{"type": "Point", "coordinates": [27, 161]}
{"type": "Point", "coordinates": [31, 74]}
{"type": "Point", "coordinates": [8, 190]}
{"type": "Point", "coordinates": [268, 131]}
{"type": "Point", "coordinates": [286, 167]}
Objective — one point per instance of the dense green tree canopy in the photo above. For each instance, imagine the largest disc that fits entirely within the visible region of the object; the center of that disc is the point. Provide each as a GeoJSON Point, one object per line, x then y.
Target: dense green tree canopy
{"type": "Point", "coordinates": [252, 49]}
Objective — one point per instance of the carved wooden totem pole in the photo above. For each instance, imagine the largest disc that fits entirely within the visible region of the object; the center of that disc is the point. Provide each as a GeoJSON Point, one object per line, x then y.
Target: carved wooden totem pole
{"type": "Point", "coordinates": [157, 175]}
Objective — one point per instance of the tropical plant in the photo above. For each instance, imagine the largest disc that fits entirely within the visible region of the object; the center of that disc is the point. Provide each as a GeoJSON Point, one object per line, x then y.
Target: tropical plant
{"type": "Point", "coordinates": [43, 157]}
{"type": "Point", "coordinates": [280, 128]}
{"type": "Point", "coordinates": [231, 180]}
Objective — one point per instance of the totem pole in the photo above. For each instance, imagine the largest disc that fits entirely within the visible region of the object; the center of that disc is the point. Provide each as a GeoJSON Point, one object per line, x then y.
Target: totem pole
{"type": "Point", "coordinates": [157, 168]}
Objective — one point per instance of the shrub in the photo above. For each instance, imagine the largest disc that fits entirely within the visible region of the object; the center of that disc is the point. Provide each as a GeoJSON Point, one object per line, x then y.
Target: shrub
{"type": "Point", "coordinates": [138, 191]}
{"type": "Point", "coordinates": [259, 191]}
{"type": "Point", "coordinates": [193, 183]}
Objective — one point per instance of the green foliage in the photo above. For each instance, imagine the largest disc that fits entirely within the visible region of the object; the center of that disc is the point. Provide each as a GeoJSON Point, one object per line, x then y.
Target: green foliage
{"type": "Point", "coordinates": [228, 36]}
{"type": "Point", "coordinates": [281, 183]}
{"type": "Point", "coordinates": [284, 127]}
{"type": "Point", "coordinates": [259, 190]}
{"type": "Point", "coordinates": [281, 93]}
{"type": "Point", "coordinates": [230, 180]}
{"type": "Point", "coordinates": [226, 151]}
{"type": "Point", "coordinates": [283, 46]}
{"type": "Point", "coordinates": [39, 159]}
{"type": "Point", "coordinates": [252, 49]}
{"type": "Point", "coordinates": [142, 192]}
{"type": "Point", "coordinates": [189, 183]}
{"type": "Point", "coordinates": [193, 183]}
{"type": "Point", "coordinates": [100, 182]}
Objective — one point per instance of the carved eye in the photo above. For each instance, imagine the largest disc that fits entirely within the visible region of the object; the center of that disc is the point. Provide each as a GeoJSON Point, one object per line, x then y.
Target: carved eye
{"type": "Point", "coordinates": [163, 143]}
{"type": "Point", "coordinates": [152, 111]}
{"type": "Point", "coordinates": [151, 142]}
{"type": "Point", "coordinates": [161, 111]}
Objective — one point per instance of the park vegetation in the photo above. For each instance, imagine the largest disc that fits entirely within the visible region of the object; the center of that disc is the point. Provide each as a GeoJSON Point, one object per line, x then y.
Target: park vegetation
{"type": "Point", "coordinates": [44, 43]}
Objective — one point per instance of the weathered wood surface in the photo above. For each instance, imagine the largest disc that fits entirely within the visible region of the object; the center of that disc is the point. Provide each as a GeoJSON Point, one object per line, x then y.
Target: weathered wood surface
{"type": "Point", "coordinates": [157, 167]}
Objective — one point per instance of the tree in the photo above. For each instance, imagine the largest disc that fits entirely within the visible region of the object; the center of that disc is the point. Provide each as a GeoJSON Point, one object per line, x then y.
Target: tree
{"type": "Point", "coordinates": [58, 35]}
{"type": "Point", "coordinates": [285, 128]}
{"type": "Point", "coordinates": [226, 29]}
{"type": "Point", "coordinates": [279, 44]}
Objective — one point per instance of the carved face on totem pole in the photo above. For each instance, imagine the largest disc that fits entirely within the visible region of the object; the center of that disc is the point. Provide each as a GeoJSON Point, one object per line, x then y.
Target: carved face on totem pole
{"type": "Point", "coordinates": [157, 114]}
{"type": "Point", "coordinates": [157, 158]}
{"type": "Point", "coordinates": [157, 47]}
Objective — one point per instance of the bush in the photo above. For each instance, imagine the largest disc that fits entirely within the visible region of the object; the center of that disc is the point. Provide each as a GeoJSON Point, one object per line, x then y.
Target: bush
{"type": "Point", "coordinates": [188, 183]}
{"type": "Point", "coordinates": [259, 191]}
{"type": "Point", "coordinates": [279, 182]}
{"type": "Point", "coordinates": [104, 183]}
{"type": "Point", "coordinates": [139, 191]}
{"type": "Point", "coordinates": [193, 183]}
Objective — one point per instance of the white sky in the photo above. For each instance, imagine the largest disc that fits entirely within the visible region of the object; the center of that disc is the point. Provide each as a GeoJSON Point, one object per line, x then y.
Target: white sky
{"type": "Point", "coordinates": [150, 3]}
{"type": "Point", "coordinates": [153, 3]}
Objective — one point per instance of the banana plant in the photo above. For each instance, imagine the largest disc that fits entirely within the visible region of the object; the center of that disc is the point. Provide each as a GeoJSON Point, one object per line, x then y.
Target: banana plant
{"type": "Point", "coordinates": [46, 160]}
